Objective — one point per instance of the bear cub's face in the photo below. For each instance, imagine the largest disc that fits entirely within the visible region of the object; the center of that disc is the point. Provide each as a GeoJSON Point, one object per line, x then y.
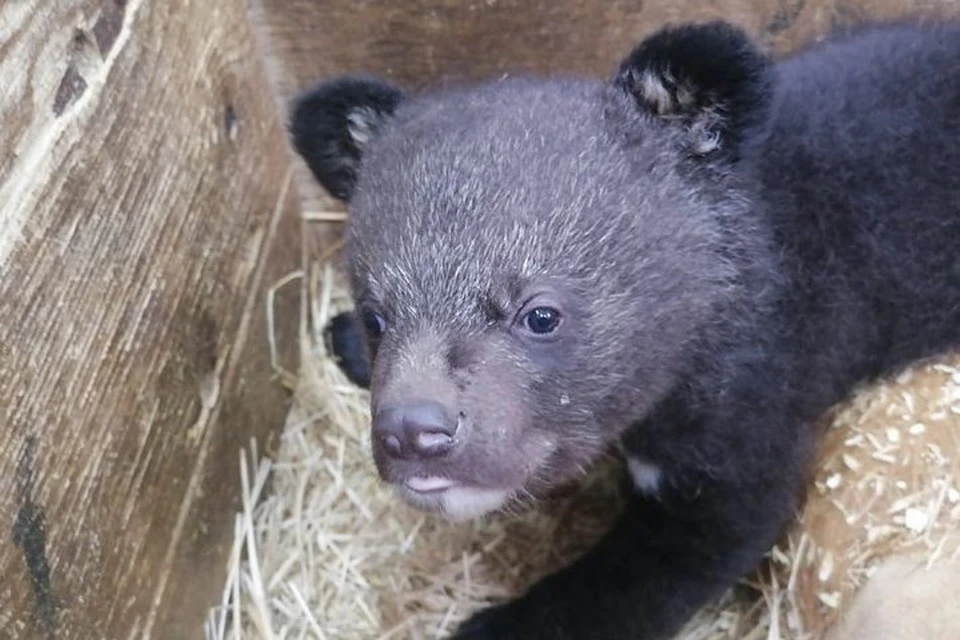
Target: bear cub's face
{"type": "Point", "coordinates": [531, 259]}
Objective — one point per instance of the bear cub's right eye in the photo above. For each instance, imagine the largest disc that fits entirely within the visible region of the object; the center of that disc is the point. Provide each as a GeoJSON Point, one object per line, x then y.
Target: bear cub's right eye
{"type": "Point", "coordinates": [374, 323]}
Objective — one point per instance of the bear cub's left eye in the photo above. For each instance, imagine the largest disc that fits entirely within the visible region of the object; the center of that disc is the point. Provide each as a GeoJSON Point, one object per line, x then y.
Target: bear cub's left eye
{"type": "Point", "coordinates": [542, 320]}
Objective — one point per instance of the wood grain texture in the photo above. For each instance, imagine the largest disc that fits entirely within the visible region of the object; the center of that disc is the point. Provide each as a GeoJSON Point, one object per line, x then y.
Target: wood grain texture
{"type": "Point", "coordinates": [144, 210]}
{"type": "Point", "coordinates": [417, 43]}
{"type": "Point", "coordinates": [423, 42]}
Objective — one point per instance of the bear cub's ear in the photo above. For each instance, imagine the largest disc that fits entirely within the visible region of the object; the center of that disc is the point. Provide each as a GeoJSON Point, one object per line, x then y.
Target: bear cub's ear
{"type": "Point", "coordinates": [330, 124]}
{"type": "Point", "coordinates": [707, 77]}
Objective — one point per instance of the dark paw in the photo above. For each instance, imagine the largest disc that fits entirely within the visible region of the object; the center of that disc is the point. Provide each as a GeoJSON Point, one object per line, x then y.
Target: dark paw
{"type": "Point", "coordinates": [548, 611]}
{"type": "Point", "coordinates": [344, 337]}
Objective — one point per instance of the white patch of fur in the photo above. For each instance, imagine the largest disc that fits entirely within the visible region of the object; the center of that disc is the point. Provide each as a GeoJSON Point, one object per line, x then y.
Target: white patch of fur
{"type": "Point", "coordinates": [655, 93]}
{"type": "Point", "coordinates": [465, 503]}
{"type": "Point", "coordinates": [360, 124]}
{"type": "Point", "coordinates": [645, 475]}
{"type": "Point", "coordinates": [704, 139]}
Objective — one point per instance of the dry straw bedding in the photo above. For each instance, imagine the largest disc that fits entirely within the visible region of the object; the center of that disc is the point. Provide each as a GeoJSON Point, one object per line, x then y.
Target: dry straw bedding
{"type": "Point", "coordinates": [324, 551]}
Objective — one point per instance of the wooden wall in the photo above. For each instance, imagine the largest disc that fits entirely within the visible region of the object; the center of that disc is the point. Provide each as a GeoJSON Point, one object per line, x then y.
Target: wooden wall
{"type": "Point", "coordinates": [416, 43]}
{"type": "Point", "coordinates": [144, 209]}
{"type": "Point", "coordinates": [421, 42]}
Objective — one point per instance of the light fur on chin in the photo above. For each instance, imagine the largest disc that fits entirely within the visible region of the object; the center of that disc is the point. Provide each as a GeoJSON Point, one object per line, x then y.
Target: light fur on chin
{"type": "Point", "coordinates": [460, 504]}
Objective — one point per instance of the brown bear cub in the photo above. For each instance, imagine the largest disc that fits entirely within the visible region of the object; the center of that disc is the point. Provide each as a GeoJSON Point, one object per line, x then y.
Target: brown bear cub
{"type": "Point", "coordinates": [691, 261]}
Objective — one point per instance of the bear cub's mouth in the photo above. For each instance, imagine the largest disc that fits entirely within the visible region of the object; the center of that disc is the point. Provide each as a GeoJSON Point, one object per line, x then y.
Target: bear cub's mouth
{"type": "Point", "coordinates": [429, 484]}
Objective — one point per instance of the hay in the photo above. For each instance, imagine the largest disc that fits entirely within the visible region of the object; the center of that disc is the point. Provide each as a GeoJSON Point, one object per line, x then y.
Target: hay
{"type": "Point", "coordinates": [886, 485]}
{"type": "Point", "coordinates": [327, 552]}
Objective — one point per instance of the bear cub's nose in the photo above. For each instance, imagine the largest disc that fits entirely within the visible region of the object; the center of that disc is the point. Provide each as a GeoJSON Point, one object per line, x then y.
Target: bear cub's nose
{"type": "Point", "coordinates": [414, 430]}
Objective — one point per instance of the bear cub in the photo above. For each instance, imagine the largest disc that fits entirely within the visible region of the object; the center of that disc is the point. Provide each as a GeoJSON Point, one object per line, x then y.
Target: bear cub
{"type": "Point", "coordinates": [690, 261]}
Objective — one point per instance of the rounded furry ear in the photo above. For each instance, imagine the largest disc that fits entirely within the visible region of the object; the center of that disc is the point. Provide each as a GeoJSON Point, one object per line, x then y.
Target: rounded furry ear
{"type": "Point", "coordinates": [708, 77]}
{"type": "Point", "coordinates": [331, 123]}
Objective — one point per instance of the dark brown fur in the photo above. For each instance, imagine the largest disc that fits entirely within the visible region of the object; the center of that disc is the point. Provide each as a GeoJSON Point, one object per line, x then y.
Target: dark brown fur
{"type": "Point", "coordinates": [731, 245]}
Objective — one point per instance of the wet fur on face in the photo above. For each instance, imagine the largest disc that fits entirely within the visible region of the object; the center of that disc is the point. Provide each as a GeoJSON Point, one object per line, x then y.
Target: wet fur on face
{"type": "Point", "coordinates": [731, 244]}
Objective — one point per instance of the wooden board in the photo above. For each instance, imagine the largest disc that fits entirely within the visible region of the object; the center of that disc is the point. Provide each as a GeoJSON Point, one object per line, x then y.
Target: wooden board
{"type": "Point", "coordinates": [417, 43]}
{"type": "Point", "coordinates": [422, 42]}
{"type": "Point", "coordinates": [144, 210]}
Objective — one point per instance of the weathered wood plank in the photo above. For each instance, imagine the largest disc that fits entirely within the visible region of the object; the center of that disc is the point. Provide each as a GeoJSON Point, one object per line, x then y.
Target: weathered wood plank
{"type": "Point", "coordinates": [144, 209]}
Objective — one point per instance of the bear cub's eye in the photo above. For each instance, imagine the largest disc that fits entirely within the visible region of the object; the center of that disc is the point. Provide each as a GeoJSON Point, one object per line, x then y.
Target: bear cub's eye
{"type": "Point", "coordinates": [374, 323]}
{"type": "Point", "coordinates": [542, 320]}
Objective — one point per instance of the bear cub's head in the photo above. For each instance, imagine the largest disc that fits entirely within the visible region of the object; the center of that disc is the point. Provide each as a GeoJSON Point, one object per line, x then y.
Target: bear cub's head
{"type": "Point", "coordinates": [535, 260]}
